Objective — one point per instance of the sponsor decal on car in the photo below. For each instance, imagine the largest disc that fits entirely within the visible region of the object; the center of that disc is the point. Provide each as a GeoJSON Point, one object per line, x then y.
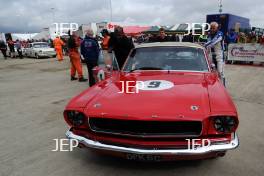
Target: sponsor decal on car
{"type": "Point", "coordinates": [131, 87]}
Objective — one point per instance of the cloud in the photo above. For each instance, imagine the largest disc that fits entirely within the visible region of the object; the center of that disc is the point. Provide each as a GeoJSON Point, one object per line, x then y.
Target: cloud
{"type": "Point", "coordinates": [31, 16]}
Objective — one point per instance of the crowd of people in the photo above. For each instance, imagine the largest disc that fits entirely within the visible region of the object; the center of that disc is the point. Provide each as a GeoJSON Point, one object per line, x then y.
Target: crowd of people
{"type": "Point", "coordinates": [120, 44]}
{"type": "Point", "coordinates": [14, 47]}
{"type": "Point", "coordinates": [76, 48]}
{"type": "Point", "coordinates": [229, 37]}
{"type": "Point", "coordinates": [116, 42]}
{"type": "Point", "coordinates": [242, 37]}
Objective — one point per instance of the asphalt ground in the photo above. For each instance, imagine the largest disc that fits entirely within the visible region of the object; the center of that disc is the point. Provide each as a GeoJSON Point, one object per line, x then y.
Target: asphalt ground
{"type": "Point", "coordinates": [33, 94]}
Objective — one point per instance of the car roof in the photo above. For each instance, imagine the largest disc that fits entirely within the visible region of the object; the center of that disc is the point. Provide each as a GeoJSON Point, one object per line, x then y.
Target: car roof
{"type": "Point", "coordinates": [176, 44]}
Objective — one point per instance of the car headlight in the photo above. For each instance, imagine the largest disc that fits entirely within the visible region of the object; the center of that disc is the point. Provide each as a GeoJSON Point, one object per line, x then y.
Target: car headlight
{"type": "Point", "coordinates": [225, 124]}
{"type": "Point", "coordinates": [75, 118]}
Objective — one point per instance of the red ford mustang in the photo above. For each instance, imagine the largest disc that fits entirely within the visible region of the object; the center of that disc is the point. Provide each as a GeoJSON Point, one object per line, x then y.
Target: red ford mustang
{"type": "Point", "coordinates": [166, 103]}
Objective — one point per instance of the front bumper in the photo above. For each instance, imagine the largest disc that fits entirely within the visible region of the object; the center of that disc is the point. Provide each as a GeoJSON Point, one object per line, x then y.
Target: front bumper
{"type": "Point", "coordinates": [219, 147]}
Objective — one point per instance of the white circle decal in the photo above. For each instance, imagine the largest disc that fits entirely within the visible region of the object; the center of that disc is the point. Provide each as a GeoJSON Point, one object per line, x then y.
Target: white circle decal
{"type": "Point", "coordinates": [154, 85]}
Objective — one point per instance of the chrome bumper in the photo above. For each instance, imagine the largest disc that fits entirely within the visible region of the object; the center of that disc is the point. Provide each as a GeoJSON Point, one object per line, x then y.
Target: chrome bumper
{"type": "Point", "coordinates": [199, 150]}
{"type": "Point", "coordinates": [46, 54]}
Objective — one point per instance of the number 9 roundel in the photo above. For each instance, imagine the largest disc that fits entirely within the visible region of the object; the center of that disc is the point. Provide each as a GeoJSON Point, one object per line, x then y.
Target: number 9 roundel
{"type": "Point", "coordinates": [154, 85]}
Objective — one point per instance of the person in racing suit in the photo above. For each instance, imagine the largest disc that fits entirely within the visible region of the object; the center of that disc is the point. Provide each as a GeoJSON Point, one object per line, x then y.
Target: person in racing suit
{"type": "Point", "coordinates": [58, 44]}
{"type": "Point", "coordinates": [75, 58]}
{"type": "Point", "coordinates": [216, 44]}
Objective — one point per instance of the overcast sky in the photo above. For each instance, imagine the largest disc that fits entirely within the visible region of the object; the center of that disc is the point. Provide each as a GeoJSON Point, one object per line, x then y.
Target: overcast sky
{"type": "Point", "coordinates": [33, 15]}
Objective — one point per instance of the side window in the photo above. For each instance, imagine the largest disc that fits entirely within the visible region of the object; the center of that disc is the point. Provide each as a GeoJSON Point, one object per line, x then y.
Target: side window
{"type": "Point", "coordinates": [106, 58]}
{"type": "Point", "coordinates": [101, 60]}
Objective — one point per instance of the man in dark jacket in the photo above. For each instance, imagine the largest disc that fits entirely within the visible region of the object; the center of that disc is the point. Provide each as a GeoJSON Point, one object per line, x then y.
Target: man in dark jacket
{"type": "Point", "coordinates": [121, 45]}
{"type": "Point", "coordinates": [162, 37]}
{"type": "Point", "coordinates": [90, 52]}
{"type": "Point", "coordinates": [11, 46]}
{"type": "Point", "coordinates": [3, 48]}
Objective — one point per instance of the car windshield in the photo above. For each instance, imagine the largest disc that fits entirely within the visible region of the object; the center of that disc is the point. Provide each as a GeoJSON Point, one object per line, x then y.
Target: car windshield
{"type": "Point", "coordinates": [166, 58]}
{"type": "Point", "coordinates": [41, 45]}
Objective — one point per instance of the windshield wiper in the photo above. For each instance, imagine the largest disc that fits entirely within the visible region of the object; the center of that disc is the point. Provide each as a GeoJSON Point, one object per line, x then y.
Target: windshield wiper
{"type": "Point", "coordinates": [146, 68]}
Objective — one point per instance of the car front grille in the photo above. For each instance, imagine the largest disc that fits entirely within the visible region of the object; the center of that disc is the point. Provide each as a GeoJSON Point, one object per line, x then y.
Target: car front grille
{"type": "Point", "coordinates": [137, 128]}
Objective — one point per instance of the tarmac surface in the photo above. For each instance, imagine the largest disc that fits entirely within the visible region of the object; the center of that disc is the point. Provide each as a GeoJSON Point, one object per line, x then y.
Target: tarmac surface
{"type": "Point", "coordinates": [33, 94]}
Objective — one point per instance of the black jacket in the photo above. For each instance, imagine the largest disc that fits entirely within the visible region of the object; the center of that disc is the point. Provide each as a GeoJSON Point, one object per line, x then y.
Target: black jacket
{"type": "Point", "coordinates": [122, 46]}
{"type": "Point", "coordinates": [2, 45]}
{"type": "Point", "coordinates": [165, 39]}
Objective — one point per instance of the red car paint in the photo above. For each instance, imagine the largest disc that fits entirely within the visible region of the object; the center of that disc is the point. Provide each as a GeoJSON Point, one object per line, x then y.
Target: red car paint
{"type": "Point", "coordinates": [201, 89]}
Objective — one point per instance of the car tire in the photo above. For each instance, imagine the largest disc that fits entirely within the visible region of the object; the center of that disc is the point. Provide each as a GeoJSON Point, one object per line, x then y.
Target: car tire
{"type": "Point", "coordinates": [37, 56]}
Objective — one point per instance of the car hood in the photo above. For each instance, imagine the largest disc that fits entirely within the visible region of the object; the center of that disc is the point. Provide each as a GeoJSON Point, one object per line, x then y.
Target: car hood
{"type": "Point", "coordinates": [186, 98]}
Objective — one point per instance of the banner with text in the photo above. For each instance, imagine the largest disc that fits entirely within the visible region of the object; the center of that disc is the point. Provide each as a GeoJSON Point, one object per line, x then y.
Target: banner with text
{"type": "Point", "coordinates": [246, 52]}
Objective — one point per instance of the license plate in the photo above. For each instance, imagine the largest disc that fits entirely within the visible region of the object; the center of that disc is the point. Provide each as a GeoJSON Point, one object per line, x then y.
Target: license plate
{"type": "Point", "coordinates": [139, 157]}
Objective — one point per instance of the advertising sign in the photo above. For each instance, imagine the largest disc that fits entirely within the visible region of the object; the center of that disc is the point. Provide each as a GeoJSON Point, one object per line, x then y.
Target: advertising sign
{"type": "Point", "coordinates": [246, 52]}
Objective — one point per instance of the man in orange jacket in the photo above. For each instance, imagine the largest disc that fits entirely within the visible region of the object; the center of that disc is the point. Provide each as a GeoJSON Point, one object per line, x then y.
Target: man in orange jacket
{"type": "Point", "coordinates": [73, 44]}
{"type": "Point", "coordinates": [58, 43]}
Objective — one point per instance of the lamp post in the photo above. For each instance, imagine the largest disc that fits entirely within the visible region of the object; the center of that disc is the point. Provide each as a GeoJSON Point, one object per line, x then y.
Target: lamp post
{"type": "Point", "coordinates": [220, 6]}
{"type": "Point", "coordinates": [111, 11]}
{"type": "Point", "coordinates": [53, 14]}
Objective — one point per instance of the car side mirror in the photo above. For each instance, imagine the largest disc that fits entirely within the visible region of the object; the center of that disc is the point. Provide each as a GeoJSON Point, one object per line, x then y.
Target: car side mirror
{"type": "Point", "coordinates": [99, 74]}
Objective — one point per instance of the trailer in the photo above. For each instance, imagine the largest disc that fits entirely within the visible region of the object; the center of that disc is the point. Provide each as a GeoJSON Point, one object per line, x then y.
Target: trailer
{"type": "Point", "coordinates": [228, 21]}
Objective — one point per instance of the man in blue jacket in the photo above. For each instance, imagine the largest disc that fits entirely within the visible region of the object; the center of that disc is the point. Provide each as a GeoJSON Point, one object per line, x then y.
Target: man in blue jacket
{"type": "Point", "coordinates": [231, 37]}
{"type": "Point", "coordinates": [90, 52]}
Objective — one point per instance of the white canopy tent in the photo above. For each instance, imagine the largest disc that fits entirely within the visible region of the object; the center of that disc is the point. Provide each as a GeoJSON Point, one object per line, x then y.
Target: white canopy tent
{"type": "Point", "coordinates": [45, 34]}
